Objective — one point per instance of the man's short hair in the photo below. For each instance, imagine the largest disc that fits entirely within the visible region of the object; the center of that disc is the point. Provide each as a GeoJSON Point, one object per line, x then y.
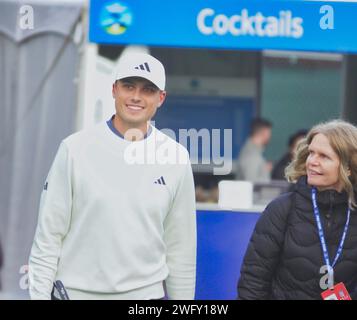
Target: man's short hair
{"type": "Point", "coordinates": [259, 124]}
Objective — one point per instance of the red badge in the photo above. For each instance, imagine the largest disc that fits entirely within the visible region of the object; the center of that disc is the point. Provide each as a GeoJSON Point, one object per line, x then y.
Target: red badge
{"type": "Point", "coordinates": [338, 292]}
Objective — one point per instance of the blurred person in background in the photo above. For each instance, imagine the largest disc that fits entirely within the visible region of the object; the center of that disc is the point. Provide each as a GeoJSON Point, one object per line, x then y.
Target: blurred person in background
{"type": "Point", "coordinates": [251, 165]}
{"type": "Point", "coordinates": [305, 241]}
{"type": "Point", "coordinates": [279, 169]}
{"type": "Point", "coordinates": [112, 225]}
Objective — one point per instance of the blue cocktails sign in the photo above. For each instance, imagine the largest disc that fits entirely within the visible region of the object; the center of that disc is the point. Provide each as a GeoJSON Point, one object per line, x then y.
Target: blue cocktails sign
{"type": "Point", "coordinates": [227, 24]}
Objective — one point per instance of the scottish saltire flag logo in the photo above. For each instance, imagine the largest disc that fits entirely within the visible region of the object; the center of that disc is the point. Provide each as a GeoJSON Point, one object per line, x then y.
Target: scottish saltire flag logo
{"type": "Point", "coordinates": [115, 18]}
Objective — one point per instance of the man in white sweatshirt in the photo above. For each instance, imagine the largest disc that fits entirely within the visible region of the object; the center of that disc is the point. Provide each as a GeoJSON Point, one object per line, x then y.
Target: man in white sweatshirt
{"type": "Point", "coordinates": [117, 215]}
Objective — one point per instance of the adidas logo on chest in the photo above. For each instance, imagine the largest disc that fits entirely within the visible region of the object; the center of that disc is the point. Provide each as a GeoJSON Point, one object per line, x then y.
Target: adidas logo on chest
{"type": "Point", "coordinates": [161, 181]}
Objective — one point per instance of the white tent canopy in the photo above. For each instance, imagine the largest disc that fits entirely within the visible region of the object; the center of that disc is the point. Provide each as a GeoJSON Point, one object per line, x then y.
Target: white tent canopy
{"type": "Point", "coordinates": [48, 17]}
{"type": "Point", "coordinates": [38, 98]}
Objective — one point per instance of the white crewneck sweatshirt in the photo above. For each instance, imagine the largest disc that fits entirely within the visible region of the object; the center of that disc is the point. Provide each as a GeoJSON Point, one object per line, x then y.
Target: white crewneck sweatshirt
{"type": "Point", "coordinates": [116, 219]}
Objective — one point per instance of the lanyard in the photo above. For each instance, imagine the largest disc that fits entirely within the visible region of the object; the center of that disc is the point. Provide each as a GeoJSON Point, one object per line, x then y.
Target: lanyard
{"type": "Point", "coordinates": [321, 232]}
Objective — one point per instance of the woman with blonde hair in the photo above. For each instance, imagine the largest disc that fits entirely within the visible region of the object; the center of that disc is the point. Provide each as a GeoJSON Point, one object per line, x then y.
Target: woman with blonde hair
{"type": "Point", "coordinates": [304, 245]}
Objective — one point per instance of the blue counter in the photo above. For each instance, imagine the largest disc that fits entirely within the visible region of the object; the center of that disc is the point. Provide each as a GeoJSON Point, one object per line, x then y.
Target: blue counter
{"type": "Point", "coordinates": [222, 239]}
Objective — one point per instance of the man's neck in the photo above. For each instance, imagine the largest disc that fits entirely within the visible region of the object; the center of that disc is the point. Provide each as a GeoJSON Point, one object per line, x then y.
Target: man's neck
{"type": "Point", "coordinates": [256, 141]}
{"type": "Point", "coordinates": [131, 133]}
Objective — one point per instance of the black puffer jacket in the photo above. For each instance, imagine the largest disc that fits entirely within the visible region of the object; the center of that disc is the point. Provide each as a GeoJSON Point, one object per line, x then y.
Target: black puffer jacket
{"type": "Point", "coordinates": [284, 256]}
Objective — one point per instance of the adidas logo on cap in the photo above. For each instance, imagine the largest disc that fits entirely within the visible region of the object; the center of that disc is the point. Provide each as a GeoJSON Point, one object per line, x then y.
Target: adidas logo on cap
{"type": "Point", "coordinates": [144, 66]}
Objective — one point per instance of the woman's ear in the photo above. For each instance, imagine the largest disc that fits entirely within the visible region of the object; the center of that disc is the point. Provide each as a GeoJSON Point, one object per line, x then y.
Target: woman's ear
{"type": "Point", "coordinates": [348, 172]}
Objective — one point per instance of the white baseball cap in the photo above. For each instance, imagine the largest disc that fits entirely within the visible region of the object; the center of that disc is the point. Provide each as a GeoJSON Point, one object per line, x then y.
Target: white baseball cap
{"type": "Point", "coordinates": [141, 65]}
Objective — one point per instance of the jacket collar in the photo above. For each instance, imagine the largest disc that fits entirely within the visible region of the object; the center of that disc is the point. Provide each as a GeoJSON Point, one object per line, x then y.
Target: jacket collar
{"type": "Point", "coordinates": [326, 197]}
